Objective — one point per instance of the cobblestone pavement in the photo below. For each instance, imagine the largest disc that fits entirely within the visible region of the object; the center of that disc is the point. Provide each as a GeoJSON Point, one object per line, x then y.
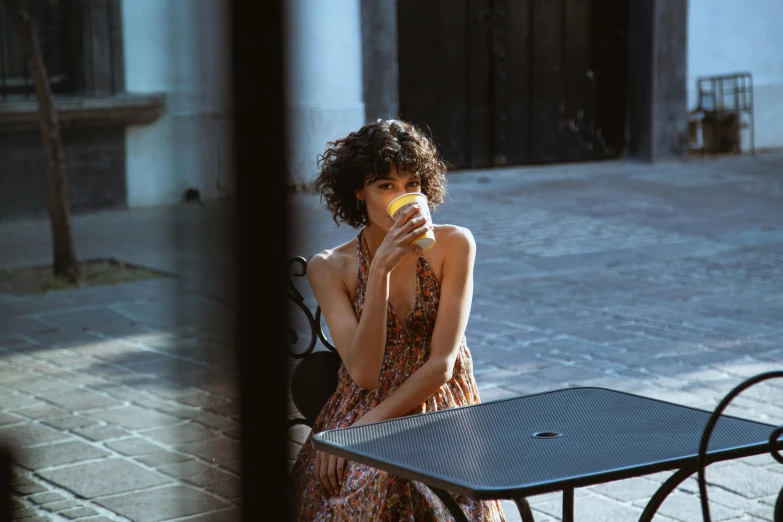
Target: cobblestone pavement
{"type": "Point", "coordinates": [661, 280]}
{"type": "Point", "coordinates": [120, 401]}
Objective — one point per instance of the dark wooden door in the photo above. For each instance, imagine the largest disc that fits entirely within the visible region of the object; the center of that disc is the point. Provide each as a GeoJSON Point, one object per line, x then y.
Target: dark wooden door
{"type": "Point", "coordinates": [511, 82]}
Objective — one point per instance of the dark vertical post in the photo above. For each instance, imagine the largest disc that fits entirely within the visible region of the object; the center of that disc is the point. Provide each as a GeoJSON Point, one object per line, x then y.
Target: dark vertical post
{"type": "Point", "coordinates": [259, 129]}
{"type": "Point", "coordinates": [5, 482]}
{"type": "Point", "coordinates": [657, 95]}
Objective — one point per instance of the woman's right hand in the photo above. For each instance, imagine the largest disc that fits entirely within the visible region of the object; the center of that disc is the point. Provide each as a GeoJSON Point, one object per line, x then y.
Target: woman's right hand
{"type": "Point", "coordinates": [330, 470]}
{"type": "Point", "coordinates": [412, 224]}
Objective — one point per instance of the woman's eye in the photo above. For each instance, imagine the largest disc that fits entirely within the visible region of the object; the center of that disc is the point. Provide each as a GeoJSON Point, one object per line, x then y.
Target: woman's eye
{"type": "Point", "coordinates": [415, 183]}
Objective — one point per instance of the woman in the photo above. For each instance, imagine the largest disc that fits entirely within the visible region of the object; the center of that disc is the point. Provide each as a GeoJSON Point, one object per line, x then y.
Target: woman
{"type": "Point", "coordinates": [397, 317]}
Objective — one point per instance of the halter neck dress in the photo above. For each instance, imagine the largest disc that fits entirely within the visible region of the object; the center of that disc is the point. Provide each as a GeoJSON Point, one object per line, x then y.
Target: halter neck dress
{"type": "Point", "coordinates": [368, 494]}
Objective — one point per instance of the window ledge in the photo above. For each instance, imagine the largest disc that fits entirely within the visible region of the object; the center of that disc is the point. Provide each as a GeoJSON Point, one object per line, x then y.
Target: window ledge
{"type": "Point", "coordinates": [86, 111]}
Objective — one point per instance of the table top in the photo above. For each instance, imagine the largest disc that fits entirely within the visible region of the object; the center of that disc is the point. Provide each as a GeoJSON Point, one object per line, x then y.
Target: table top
{"type": "Point", "coordinates": [596, 435]}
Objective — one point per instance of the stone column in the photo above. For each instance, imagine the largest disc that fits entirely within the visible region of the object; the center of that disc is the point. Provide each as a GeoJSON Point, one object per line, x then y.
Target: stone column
{"type": "Point", "coordinates": [180, 48]}
{"type": "Point", "coordinates": [657, 126]}
{"type": "Point", "coordinates": [380, 59]}
{"type": "Point", "coordinates": [323, 80]}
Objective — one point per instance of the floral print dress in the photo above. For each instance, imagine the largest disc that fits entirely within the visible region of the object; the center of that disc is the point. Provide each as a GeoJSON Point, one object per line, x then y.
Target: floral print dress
{"type": "Point", "coordinates": [368, 494]}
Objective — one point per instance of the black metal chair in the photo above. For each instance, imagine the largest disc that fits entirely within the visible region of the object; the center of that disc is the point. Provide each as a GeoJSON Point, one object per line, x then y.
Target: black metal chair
{"type": "Point", "coordinates": [773, 443]}
{"type": "Point", "coordinates": [314, 378]}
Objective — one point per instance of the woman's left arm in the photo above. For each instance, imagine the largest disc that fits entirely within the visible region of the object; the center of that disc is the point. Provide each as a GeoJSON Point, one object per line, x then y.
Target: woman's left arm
{"type": "Point", "coordinates": [456, 297]}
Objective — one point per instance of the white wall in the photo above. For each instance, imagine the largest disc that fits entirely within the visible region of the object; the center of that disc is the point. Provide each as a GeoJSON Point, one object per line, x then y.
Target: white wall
{"type": "Point", "coordinates": [180, 47]}
{"type": "Point", "coordinates": [727, 36]}
{"type": "Point", "coordinates": [323, 79]}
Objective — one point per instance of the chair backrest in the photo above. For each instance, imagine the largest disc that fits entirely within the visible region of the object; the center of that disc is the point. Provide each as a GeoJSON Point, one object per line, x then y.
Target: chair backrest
{"type": "Point", "coordinates": [774, 442]}
{"type": "Point", "coordinates": [314, 378]}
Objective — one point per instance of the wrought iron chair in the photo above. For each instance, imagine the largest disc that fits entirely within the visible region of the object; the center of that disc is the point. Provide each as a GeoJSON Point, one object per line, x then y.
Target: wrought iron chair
{"type": "Point", "coordinates": [773, 443]}
{"type": "Point", "coordinates": [314, 378]}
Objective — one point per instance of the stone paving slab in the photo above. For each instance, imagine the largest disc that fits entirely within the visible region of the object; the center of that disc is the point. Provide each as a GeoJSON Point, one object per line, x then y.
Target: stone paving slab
{"type": "Point", "coordinates": [70, 452]}
{"type": "Point", "coordinates": [662, 280]}
{"type": "Point", "coordinates": [162, 504]}
{"type": "Point", "coordinates": [120, 476]}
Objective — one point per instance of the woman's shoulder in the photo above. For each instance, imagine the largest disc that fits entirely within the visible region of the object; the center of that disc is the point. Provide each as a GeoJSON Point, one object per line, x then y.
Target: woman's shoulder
{"type": "Point", "coordinates": [452, 243]}
{"type": "Point", "coordinates": [454, 236]}
{"type": "Point", "coordinates": [333, 260]}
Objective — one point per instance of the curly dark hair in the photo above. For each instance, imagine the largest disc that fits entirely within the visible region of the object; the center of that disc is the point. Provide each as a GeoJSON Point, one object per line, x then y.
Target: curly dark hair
{"type": "Point", "coordinates": [367, 154]}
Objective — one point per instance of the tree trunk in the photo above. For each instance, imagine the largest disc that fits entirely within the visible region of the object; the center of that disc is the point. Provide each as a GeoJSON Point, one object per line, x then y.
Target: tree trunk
{"type": "Point", "coordinates": [65, 262]}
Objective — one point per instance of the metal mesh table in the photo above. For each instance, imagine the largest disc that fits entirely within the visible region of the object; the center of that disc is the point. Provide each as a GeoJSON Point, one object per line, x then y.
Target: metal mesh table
{"type": "Point", "coordinates": [554, 441]}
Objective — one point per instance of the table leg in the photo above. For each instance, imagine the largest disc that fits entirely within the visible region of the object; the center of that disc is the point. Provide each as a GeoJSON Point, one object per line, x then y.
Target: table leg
{"type": "Point", "coordinates": [663, 492]}
{"type": "Point", "coordinates": [525, 513]}
{"type": "Point", "coordinates": [451, 505]}
{"type": "Point", "coordinates": [568, 505]}
{"type": "Point", "coordinates": [779, 508]}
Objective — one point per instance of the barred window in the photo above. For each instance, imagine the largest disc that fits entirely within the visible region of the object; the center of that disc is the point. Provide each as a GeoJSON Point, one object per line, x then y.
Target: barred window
{"type": "Point", "coordinates": [55, 24]}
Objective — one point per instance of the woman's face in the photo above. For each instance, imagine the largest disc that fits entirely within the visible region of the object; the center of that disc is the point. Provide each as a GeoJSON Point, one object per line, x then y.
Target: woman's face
{"type": "Point", "coordinates": [378, 194]}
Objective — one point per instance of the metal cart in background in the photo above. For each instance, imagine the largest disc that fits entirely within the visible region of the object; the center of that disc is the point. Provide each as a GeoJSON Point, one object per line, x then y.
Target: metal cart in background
{"type": "Point", "coordinates": [722, 100]}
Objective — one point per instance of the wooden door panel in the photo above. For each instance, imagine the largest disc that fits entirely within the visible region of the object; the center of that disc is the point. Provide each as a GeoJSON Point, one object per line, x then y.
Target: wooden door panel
{"type": "Point", "coordinates": [547, 96]}
{"type": "Point", "coordinates": [577, 124]}
{"type": "Point", "coordinates": [480, 20]}
{"type": "Point", "coordinates": [453, 102]}
{"type": "Point", "coordinates": [515, 119]}
{"type": "Point", "coordinates": [515, 81]}
{"type": "Point", "coordinates": [419, 49]}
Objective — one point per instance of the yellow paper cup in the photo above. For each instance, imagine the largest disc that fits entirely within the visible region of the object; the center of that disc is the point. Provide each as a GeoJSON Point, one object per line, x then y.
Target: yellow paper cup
{"type": "Point", "coordinates": [402, 203]}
